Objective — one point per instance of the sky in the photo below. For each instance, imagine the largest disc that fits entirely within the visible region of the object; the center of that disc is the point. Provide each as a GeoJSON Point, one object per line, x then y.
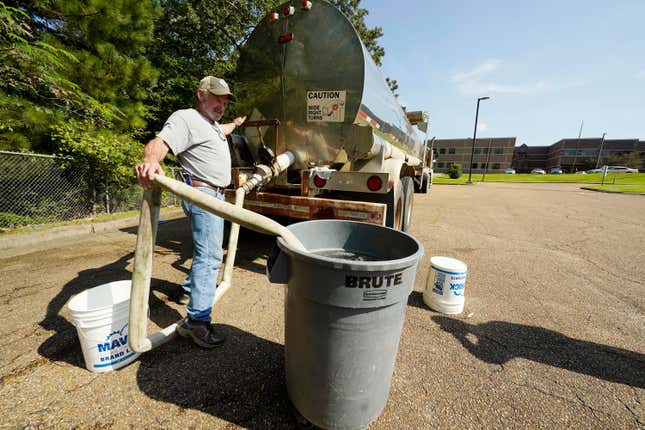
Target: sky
{"type": "Point", "coordinates": [547, 66]}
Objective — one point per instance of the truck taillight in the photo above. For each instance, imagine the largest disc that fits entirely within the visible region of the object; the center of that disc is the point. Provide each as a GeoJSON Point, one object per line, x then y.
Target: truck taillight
{"type": "Point", "coordinates": [285, 38]}
{"type": "Point", "coordinates": [274, 16]}
{"type": "Point", "coordinates": [374, 183]}
{"type": "Point", "coordinates": [306, 4]}
{"type": "Point", "coordinates": [289, 10]}
{"type": "Point", "coordinates": [319, 182]}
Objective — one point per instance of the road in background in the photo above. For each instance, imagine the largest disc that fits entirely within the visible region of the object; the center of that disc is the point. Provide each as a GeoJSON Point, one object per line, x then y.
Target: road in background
{"type": "Point", "coordinates": [552, 336]}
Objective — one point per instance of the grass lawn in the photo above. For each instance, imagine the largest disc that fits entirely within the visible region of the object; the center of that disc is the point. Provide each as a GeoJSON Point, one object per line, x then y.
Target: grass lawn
{"type": "Point", "coordinates": [636, 189]}
{"type": "Point", "coordinates": [97, 219]}
{"type": "Point", "coordinates": [596, 178]}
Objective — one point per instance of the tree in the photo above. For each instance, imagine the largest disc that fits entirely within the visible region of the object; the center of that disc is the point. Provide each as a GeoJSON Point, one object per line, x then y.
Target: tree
{"type": "Point", "coordinates": [106, 42]}
{"type": "Point", "coordinates": [393, 84]}
{"type": "Point", "coordinates": [194, 38]}
{"type": "Point", "coordinates": [369, 36]}
{"type": "Point", "coordinates": [629, 159]}
{"type": "Point", "coordinates": [35, 91]}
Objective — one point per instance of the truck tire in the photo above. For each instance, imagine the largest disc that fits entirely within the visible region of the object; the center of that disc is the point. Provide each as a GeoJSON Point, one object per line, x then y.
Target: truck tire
{"type": "Point", "coordinates": [395, 203]}
{"type": "Point", "coordinates": [408, 199]}
{"type": "Point", "coordinates": [422, 188]}
{"type": "Point", "coordinates": [425, 183]}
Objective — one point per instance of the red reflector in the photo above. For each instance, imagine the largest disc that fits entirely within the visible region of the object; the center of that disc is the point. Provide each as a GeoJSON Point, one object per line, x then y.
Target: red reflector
{"type": "Point", "coordinates": [319, 182]}
{"type": "Point", "coordinates": [285, 38]}
{"type": "Point", "coordinates": [274, 16]}
{"type": "Point", "coordinates": [289, 10]}
{"type": "Point", "coordinates": [306, 4]}
{"type": "Point", "coordinates": [374, 183]}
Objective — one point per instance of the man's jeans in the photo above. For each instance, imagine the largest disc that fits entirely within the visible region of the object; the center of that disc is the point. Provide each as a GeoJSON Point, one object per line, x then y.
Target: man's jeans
{"type": "Point", "coordinates": [208, 234]}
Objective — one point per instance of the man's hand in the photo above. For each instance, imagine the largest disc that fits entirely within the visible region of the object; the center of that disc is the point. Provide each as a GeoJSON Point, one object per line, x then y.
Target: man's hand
{"type": "Point", "coordinates": [228, 128]}
{"type": "Point", "coordinates": [239, 120]}
{"type": "Point", "coordinates": [146, 172]}
{"type": "Point", "coordinates": [154, 152]}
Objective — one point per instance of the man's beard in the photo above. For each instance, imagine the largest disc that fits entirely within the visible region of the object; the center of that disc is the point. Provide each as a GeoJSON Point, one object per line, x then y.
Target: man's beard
{"type": "Point", "coordinates": [213, 116]}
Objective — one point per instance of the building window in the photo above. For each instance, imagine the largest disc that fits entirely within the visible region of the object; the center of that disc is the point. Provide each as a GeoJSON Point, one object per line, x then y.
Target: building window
{"type": "Point", "coordinates": [440, 165]}
{"type": "Point", "coordinates": [499, 150]}
{"type": "Point", "coordinates": [569, 153]}
{"type": "Point", "coordinates": [495, 166]}
{"type": "Point", "coordinates": [442, 150]}
{"type": "Point", "coordinates": [478, 151]}
{"type": "Point", "coordinates": [451, 150]}
{"type": "Point", "coordinates": [484, 150]}
{"type": "Point", "coordinates": [483, 165]}
{"type": "Point", "coordinates": [474, 165]}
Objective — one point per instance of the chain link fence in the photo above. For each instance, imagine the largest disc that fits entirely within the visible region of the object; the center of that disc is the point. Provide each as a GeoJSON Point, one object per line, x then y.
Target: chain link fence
{"type": "Point", "coordinates": [39, 189]}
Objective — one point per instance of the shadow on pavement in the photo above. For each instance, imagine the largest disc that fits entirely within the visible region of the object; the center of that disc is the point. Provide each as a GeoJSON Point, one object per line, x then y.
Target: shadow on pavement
{"type": "Point", "coordinates": [241, 382]}
{"type": "Point", "coordinates": [173, 237]}
{"type": "Point", "coordinates": [415, 299]}
{"type": "Point", "coordinates": [63, 345]}
{"type": "Point", "coordinates": [497, 342]}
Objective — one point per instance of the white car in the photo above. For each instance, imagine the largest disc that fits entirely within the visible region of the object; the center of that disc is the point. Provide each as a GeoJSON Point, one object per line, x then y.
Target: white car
{"type": "Point", "coordinates": [614, 169]}
{"type": "Point", "coordinates": [510, 171]}
{"type": "Point", "coordinates": [621, 169]}
{"type": "Point", "coordinates": [538, 172]}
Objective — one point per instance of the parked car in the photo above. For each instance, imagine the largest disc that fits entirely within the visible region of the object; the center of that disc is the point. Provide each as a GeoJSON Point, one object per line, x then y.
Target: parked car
{"type": "Point", "coordinates": [510, 171]}
{"type": "Point", "coordinates": [538, 172]}
{"type": "Point", "coordinates": [614, 169]}
{"type": "Point", "coordinates": [556, 171]}
{"type": "Point", "coordinates": [581, 172]}
{"type": "Point", "coordinates": [621, 169]}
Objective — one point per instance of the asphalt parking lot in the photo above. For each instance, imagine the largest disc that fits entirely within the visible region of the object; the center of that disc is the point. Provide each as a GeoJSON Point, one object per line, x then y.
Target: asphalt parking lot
{"type": "Point", "coordinates": [552, 336]}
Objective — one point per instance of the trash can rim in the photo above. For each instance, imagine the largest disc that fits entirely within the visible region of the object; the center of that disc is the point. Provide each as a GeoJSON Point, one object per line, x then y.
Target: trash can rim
{"type": "Point", "coordinates": [368, 266]}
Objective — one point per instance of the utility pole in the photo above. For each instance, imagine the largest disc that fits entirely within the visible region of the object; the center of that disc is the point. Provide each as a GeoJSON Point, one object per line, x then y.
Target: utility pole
{"type": "Point", "coordinates": [573, 166]}
{"type": "Point", "coordinates": [472, 151]}
{"type": "Point", "coordinates": [602, 144]}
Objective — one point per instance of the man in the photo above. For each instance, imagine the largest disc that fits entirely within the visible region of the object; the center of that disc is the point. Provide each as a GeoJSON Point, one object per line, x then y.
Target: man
{"type": "Point", "coordinates": [199, 142]}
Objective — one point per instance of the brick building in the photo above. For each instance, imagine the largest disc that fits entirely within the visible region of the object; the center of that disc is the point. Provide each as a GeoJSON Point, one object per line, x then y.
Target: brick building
{"type": "Point", "coordinates": [491, 154]}
{"type": "Point", "coordinates": [499, 153]}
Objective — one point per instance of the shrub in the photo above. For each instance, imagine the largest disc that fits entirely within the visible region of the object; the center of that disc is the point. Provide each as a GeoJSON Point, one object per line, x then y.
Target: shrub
{"type": "Point", "coordinates": [454, 171]}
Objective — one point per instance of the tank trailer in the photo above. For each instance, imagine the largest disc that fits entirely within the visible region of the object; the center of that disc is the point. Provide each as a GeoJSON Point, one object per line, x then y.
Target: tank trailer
{"type": "Point", "coordinates": [314, 95]}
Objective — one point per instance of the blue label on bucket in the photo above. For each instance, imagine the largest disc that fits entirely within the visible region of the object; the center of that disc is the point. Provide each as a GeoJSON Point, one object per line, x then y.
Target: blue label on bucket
{"type": "Point", "coordinates": [115, 349]}
{"type": "Point", "coordinates": [449, 284]}
{"type": "Point", "coordinates": [439, 279]}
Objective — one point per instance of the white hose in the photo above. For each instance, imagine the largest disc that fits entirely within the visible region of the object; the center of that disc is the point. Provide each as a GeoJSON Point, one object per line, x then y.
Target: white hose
{"type": "Point", "coordinates": [231, 250]}
{"type": "Point", "coordinates": [138, 319]}
{"type": "Point", "coordinates": [239, 215]}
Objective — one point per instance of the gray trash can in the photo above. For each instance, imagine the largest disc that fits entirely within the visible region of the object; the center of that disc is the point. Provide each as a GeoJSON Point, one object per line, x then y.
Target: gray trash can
{"type": "Point", "coordinates": [344, 312]}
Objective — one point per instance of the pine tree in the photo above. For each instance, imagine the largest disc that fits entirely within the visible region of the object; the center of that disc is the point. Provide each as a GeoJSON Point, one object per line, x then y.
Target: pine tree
{"type": "Point", "coordinates": [108, 40]}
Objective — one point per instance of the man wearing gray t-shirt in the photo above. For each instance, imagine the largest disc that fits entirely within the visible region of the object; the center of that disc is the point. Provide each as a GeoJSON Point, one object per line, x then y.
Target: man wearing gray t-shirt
{"type": "Point", "coordinates": [199, 142]}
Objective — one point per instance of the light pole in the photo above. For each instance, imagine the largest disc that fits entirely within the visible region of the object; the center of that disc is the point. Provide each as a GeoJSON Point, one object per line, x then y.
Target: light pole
{"type": "Point", "coordinates": [602, 143]}
{"type": "Point", "coordinates": [472, 151]}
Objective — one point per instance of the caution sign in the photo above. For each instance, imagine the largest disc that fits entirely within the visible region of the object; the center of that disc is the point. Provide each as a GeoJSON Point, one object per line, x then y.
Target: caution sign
{"type": "Point", "coordinates": [326, 106]}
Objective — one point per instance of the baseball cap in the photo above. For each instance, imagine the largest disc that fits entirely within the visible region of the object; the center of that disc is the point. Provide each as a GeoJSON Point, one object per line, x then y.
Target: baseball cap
{"type": "Point", "coordinates": [216, 86]}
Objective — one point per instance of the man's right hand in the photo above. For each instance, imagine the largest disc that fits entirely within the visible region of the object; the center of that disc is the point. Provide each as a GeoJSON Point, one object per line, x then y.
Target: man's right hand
{"type": "Point", "coordinates": [146, 172]}
{"type": "Point", "coordinates": [153, 153]}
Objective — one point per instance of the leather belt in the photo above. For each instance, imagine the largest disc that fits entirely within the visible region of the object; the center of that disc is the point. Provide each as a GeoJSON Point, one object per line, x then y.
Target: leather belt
{"type": "Point", "coordinates": [197, 183]}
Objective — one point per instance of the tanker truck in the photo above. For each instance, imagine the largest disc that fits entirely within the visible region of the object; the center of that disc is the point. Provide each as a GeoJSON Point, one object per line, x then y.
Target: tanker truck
{"type": "Point", "coordinates": [311, 90]}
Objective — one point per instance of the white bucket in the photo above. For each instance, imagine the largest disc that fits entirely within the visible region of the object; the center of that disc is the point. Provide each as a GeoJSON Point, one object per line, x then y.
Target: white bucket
{"type": "Point", "coordinates": [100, 316]}
{"type": "Point", "coordinates": [445, 285]}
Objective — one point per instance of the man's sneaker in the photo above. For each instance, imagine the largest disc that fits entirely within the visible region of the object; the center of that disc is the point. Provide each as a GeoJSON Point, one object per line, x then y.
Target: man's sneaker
{"type": "Point", "coordinates": [181, 297]}
{"type": "Point", "coordinates": [202, 333]}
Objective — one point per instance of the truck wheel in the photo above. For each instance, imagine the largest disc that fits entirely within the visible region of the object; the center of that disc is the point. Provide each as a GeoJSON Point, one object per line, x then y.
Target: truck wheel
{"type": "Point", "coordinates": [394, 201]}
{"type": "Point", "coordinates": [425, 183]}
{"type": "Point", "coordinates": [408, 199]}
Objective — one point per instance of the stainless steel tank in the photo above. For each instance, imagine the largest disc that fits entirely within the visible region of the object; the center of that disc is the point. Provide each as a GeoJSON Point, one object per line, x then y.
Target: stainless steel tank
{"type": "Point", "coordinates": [311, 71]}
